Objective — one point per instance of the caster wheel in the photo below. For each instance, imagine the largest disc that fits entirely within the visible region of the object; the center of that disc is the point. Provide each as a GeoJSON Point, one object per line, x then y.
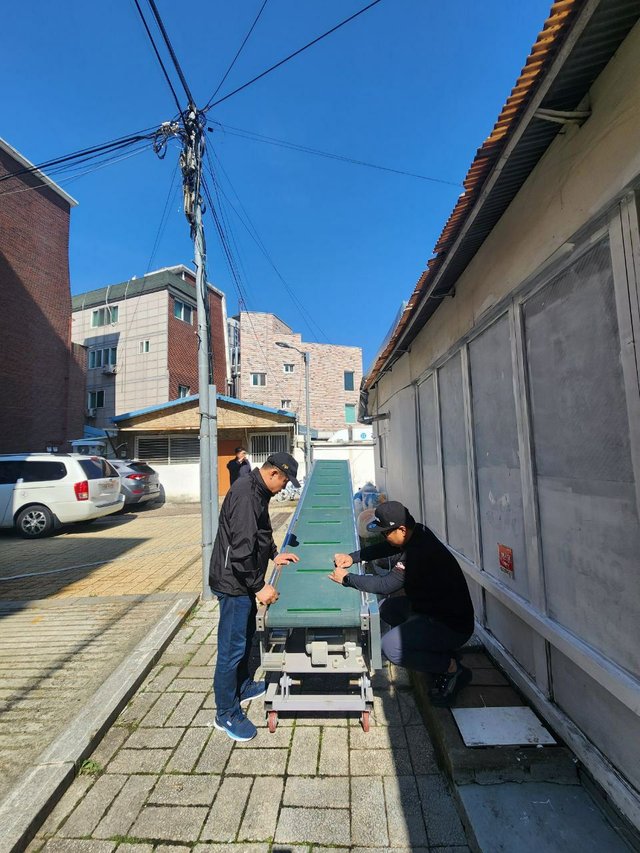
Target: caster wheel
{"type": "Point", "coordinates": [364, 720]}
{"type": "Point", "coordinates": [272, 721]}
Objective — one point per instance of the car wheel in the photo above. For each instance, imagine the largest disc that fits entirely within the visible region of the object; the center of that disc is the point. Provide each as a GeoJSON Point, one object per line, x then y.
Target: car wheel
{"type": "Point", "coordinates": [34, 522]}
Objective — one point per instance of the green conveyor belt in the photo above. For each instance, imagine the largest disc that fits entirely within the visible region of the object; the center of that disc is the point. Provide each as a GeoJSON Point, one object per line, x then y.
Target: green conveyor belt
{"type": "Point", "coordinates": [323, 526]}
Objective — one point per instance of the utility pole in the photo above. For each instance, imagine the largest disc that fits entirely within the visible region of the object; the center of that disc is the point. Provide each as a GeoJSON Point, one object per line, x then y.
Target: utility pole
{"type": "Point", "coordinates": [306, 355]}
{"type": "Point", "coordinates": [191, 158]}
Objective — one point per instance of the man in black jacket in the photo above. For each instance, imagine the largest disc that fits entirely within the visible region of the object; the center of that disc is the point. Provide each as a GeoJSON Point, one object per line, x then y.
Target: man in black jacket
{"type": "Point", "coordinates": [239, 466]}
{"type": "Point", "coordinates": [244, 544]}
{"type": "Point", "coordinates": [435, 616]}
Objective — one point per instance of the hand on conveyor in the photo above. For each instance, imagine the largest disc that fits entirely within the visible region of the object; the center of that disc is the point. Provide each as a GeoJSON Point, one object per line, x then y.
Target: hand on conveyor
{"type": "Point", "coordinates": [337, 575]}
{"type": "Point", "coordinates": [284, 558]}
{"type": "Point", "coordinates": [342, 561]}
{"type": "Point", "coordinates": [268, 594]}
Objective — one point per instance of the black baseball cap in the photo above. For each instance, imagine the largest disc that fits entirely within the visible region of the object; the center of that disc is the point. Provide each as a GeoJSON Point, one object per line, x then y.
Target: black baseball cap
{"type": "Point", "coordinates": [390, 515]}
{"type": "Point", "coordinates": [287, 464]}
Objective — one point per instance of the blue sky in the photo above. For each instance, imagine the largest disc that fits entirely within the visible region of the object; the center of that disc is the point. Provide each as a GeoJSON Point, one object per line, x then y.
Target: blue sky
{"type": "Point", "coordinates": [412, 84]}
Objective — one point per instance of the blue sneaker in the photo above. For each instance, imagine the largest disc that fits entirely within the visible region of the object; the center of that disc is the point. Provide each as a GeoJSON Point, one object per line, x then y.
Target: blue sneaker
{"type": "Point", "coordinates": [254, 691]}
{"type": "Point", "coordinates": [237, 727]}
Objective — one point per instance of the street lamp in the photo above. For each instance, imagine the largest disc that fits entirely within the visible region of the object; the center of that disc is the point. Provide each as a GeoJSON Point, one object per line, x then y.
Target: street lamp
{"type": "Point", "coordinates": [307, 435]}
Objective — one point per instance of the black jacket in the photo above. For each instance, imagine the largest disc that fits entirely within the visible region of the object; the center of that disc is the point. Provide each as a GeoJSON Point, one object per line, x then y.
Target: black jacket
{"type": "Point", "coordinates": [238, 469]}
{"type": "Point", "coordinates": [432, 579]}
{"type": "Point", "coordinates": [244, 542]}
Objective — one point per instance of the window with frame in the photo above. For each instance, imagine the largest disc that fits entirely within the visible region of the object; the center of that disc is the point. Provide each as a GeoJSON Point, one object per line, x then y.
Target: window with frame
{"type": "Point", "coordinates": [108, 315]}
{"type": "Point", "coordinates": [258, 379]}
{"type": "Point", "coordinates": [95, 400]}
{"type": "Point", "coordinates": [144, 346]}
{"type": "Point", "coordinates": [169, 450]}
{"type": "Point", "coordinates": [350, 413]}
{"type": "Point", "coordinates": [263, 446]}
{"type": "Point", "coordinates": [182, 311]}
{"type": "Point", "coordinates": [288, 367]}
{"type": "Point", "coordinates": [102, 357]}
{"type": "Point", "coordinates": [183, 390]}
{"type": "Point", "coordinates": [348, 380]}
{"type": "Point", "coordinates": [285, 404]}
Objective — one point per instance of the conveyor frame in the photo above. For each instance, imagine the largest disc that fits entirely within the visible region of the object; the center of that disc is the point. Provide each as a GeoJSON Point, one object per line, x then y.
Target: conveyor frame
{"type": "Point", "coordinates": [341, 640]}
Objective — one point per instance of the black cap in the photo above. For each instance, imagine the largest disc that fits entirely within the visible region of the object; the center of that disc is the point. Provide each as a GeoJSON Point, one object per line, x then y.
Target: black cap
{"type": "Point", "coordinates": [390, 515]}
{"type": "Point", "coordinates": [287, 464]}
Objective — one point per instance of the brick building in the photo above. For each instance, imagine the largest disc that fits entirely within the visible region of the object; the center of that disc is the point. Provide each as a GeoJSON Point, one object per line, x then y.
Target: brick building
{"type": "Point", "coordinates": [141, 340]}
{"type": "Point", "coordinates": [262, 372]}
{"type": "Point", "coordinates": [41, 373]}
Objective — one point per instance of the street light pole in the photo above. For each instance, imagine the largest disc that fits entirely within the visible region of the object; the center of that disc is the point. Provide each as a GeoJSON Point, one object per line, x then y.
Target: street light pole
{"type": "Point", "coordinates": [307, 435]}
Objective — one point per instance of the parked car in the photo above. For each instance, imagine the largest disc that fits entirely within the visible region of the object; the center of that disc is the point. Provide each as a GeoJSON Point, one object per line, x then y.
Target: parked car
{"type": "Point", "coordinates": [40, 491]}
{"type": "Point", "coordinates": [139, 482]}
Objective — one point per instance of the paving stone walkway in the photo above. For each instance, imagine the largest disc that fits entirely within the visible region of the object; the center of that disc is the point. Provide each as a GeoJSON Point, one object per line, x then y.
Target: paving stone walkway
{"type": "Point", "coordinates": [163, 779]}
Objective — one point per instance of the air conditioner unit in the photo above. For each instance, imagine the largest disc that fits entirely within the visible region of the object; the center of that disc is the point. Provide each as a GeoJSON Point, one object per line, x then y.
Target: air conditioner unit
{"type": "Point", "coordinates": [91, 413]}
{"type": "Point", "coordinates": [110, 369]}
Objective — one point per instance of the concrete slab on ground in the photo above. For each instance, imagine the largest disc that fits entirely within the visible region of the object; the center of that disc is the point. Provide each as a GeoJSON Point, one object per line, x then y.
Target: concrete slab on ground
{"type": "Point", "coordinates": [538, 817]}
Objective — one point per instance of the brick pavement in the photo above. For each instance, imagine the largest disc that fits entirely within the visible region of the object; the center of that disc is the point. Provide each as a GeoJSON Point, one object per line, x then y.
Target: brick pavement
{"type": "Point", "coordinates": [164, 780]}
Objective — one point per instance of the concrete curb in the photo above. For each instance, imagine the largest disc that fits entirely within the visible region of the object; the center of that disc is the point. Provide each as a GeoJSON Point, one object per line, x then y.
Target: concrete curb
{"type": "Point", "coordinates": [23, 811]}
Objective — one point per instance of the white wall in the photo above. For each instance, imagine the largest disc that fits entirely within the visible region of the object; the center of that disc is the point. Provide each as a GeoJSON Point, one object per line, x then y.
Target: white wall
{"type": "Point", "coordinates": [359, 455]}
{"type": "Point", "coordinates": [181, 483]}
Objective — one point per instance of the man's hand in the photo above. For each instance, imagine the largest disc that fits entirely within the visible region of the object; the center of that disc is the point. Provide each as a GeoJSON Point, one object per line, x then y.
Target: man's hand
{"type": "Point", "coordinates": [268, 594]}
{"type": "Point", "coordinates": [284, 558]}
{"type": "Point", "coordinates": [338, 574]}
{"type": "Point", "coordinates": [342, 561]}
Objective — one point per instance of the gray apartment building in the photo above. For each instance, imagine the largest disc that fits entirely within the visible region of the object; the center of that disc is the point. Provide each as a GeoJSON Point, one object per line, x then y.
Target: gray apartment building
{"type": "Point", "coordinates": [263, 372]}
{"type": "Point", "coordinates": [141, 342]}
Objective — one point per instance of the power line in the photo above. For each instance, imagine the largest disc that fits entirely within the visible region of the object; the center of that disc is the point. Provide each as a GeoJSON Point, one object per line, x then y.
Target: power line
{"type": "Point", "coordinates": [253, 136]}
{"type": "Point", "coordinates": [253, 233]}
{"type": "Point", "coordinates": [292, 55]}
{"type": "Point", "coordinates": [84, 155]}
{"type": "Point", "coordinates": [172, 52]}
{"type": "Point", "coordinates": [240, 49]}
{"type": "Point", "coordinates": [158, 57]}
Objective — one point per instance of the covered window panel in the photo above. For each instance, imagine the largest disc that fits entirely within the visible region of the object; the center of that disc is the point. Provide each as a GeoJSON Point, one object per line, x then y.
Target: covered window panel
{"type": "Point", "coordinates": [495, 432]}
{"type": "Point", "coordinates": [184, 448]}
{"type": "Point", "coordinates": [586, 489]}
{"type": "Point", "coordinates": [431, 473]}
{"type": "Point", "coordinates": [455, 458]}
{"type": "Point", "coordinates": [263, 445]}
{"type": "Point", "coordinates": [153, 449]}
{"type": "Point", "coordinates": [348, 380]}
{"type": "Point", "coordinates": [350, 413]}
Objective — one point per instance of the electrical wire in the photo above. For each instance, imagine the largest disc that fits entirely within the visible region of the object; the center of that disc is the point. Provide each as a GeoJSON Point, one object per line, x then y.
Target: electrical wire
{"type": "Point", "coordinates": [83, 155]}
{"type": "Point", "coordinates": [158, 57]}
{"type": "Point", "coordinates": [233, 268]}
{"type": "Point", "coordinates": [240, 49]}
{"type": "Point", "coordinates": [253, 233]}
{"type": "Point", "coordinates": [213, 103]}
{"type": "Point", "coordinates": [252, 136]}
{"type": "Point", "coordinates": [172, 52]}
{"type": "Point", "coordinates": [65, 181]}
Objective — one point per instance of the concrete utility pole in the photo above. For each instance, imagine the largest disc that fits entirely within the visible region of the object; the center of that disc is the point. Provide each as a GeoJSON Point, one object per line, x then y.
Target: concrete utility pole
{"type": "Point", "coordinates": [191, 165]}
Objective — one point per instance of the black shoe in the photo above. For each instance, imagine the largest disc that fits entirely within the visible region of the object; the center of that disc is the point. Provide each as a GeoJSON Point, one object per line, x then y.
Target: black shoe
{"type": "Point", "coordinates": [447, 684]}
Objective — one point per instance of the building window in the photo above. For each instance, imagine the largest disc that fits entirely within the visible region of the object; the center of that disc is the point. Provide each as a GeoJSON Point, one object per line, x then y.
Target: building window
{"type": "Point", "coordinates": [102, 357]}
{"type": "Point", "coordinates": [182, 311]}
{"type": "Point", "coordinates": [262, 446]}
{"type": "Point", "coordinates": [168, 449]}
{"type": "Point", "coordinates": [104, 316]}
{"type": "Point", "coordinates": [288, 368]}
{"type": "Point", "coordinates": [95, 399]}
{"type": "Point", "coordinates": [258, 379]}
{"type": "Point", "coordinates": [183, 390]}
{"type": "Point", "coordinates": [350, 413]}
{"type": "Point", "coordinates": [348, 380]}
{"type": "Point", "coordinates": [144, 346]}
{"type": "Point", "coordinates": [285, 404]}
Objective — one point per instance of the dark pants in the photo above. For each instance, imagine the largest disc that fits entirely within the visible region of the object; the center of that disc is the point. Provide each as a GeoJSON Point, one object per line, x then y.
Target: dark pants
{"type": "Point", "coordinates": [416, 641]}
{"type": "Point", "coordinates": [236, 628]}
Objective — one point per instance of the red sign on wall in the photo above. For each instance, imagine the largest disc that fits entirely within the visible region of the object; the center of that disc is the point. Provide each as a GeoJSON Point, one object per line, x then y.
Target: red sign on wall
{"type": "Point", "coordinates": [505, 558]}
